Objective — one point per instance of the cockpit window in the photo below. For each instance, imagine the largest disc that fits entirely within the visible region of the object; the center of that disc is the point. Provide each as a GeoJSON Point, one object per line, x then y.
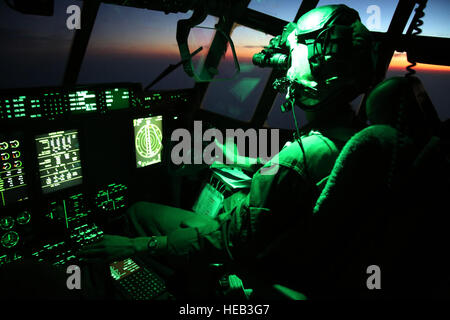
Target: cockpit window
{"type": "Point", "coordinates": [132, 44]}
{"type": "Point", "coordinates": [237, 98]}
{"type": "Point", "coordinates": [375, 15]}
{"type": "Point", "coordinates": [34, 49]}
{"type": "Point", "coordinates": [435, 79]}
{"type": "Point", "coordinates": [285, 10]}
{"type": "Point", "coordinates": [436, 16]}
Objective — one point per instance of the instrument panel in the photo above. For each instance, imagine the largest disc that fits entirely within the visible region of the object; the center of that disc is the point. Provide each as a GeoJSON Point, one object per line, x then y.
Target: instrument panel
{"type": "Point", "coordinates": [67, 156]}
{"type": "Point", "coordinates": [60, 102]}
{"type": "Point", "coordinates": [13, 187]}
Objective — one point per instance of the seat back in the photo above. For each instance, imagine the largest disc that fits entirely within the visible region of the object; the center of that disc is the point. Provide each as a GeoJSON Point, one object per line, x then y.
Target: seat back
{"type": "Point", "coordinates": [351, 214]}
{"type": "Point", "coordinates": [376, 200]}
{"type": "Point", "coordinates": [371, 212]}
{"type": "Point", "coordinates": [403, 103]}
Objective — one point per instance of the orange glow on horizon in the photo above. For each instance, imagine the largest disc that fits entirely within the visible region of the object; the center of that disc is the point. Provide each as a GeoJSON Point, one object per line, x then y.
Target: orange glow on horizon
{"type": "Point", "coordinates": [138, 50]}
{"type": "Point", "coordinates": [244, 54]}
{"type": "Point", "coordinates": [399, 62]}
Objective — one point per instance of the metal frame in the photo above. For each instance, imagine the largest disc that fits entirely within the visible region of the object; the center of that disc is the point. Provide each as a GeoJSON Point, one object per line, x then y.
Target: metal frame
{"type": "Point", "coordinates": [387, 45]}
{"type": "Point", "coordinates": [398, 23]}
{"type": "Point", "coordinates": [81, 41]}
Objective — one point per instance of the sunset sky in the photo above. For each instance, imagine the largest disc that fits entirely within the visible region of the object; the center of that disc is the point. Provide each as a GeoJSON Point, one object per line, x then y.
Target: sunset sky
{"type": "Point", "coordinates": [137, 32]}
{"type": "Point", "coordinates": [129, 44]}
{"type": "Point", "coordinates": [399, 62]}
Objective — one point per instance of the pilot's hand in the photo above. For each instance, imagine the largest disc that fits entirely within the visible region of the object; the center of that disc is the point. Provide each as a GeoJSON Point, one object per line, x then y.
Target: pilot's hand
{"type": "Point", "coordinates": [229, 151]}
{"type": "Point", "coordinates": [110, 248]}
{"type": "Point", "coordinates": [231, 156]}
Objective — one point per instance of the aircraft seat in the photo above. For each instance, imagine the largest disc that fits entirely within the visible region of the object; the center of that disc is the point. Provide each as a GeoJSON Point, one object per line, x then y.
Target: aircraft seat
{"type": "Point", "coordinates": [379, 206]}
{"type": "Point", "coordinates": [403, 103]}
{"type": "Point", "coordinates": [372, 210]}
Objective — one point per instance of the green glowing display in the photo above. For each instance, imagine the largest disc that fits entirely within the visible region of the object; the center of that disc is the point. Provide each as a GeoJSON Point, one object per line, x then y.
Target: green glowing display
{"type": "Point", "coordinates": [117, 98]}
{"type": "Point", "coordinates": [10, 239]}
{"type": "Point", "coordinates": [112, 197]}
{"type": "Point", "coordinates": [13, 107]}
{"type": "Point", "coordinates": [148, 140]}
{"type": "Point", "coordinates": [6, 223]}
{"type": "Point", "coordinates": [36, 108]}
{"type": "Point", "coordinates": [59, 160]}
{"type": "Point", "coordinates": [82, 101]}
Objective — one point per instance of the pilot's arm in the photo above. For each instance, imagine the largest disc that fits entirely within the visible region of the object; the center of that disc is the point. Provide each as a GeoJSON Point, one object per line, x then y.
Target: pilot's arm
{"type": "Point", "coordinates": [281, 195]}
{"type": "Point", "coordinates": [274, 204]}
{"type": "Point", "coordinates": [231, 157]}
{"type": "Point", "coordinates": [254, 221]}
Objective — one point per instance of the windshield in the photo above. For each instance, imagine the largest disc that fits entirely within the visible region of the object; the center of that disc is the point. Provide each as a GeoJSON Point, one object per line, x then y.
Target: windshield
{"type": "Point", "coordinates": [34, 49]}
{"type": "Point", "coordinates": [136, 45]}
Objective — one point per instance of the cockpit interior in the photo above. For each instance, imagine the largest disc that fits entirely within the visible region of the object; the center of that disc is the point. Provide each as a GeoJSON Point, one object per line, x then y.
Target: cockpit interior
{"type": "Point", "coordinates": [96, 95]}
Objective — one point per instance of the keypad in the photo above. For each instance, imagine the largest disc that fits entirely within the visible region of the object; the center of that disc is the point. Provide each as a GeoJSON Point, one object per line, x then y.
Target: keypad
{"type": "Point", "coordinates": [142, 285]}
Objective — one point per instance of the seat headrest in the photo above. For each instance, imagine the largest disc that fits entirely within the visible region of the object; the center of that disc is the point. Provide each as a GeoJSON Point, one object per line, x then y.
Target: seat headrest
{"type": "Point", "coordinates": [403, 103]}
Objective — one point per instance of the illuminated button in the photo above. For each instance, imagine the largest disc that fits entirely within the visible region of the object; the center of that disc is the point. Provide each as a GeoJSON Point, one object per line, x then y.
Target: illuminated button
{"type": "Point", "coordinates": [4, 156]}
{"type": "Point", "coordinates": [6, 166]}
{"type": "Point", "coordinates": [14, 144]}
{"type": "Point", "coordinates": [16, 154]}
{"type": "Point", "coordinates": [4, 145]}
{"type": "Point", "coordinates": [17, 164]}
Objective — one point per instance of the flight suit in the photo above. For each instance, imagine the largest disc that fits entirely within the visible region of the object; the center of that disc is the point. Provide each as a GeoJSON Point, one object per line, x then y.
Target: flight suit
{"type": "Point", "coordinates": [281, 196]}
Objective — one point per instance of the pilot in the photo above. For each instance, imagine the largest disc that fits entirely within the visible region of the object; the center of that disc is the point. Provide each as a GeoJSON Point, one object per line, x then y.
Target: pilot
{"type": "Point", "coordinates": [330, 64]}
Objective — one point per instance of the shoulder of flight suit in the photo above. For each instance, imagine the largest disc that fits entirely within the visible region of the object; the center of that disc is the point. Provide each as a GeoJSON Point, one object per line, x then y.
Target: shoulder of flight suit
{"type": "Point", "coordinates": [321, 153]}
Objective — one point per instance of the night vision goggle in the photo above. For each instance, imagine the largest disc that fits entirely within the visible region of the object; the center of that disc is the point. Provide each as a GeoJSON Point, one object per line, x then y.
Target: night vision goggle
{"type": "Point", "coordinates": [326, 31]}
